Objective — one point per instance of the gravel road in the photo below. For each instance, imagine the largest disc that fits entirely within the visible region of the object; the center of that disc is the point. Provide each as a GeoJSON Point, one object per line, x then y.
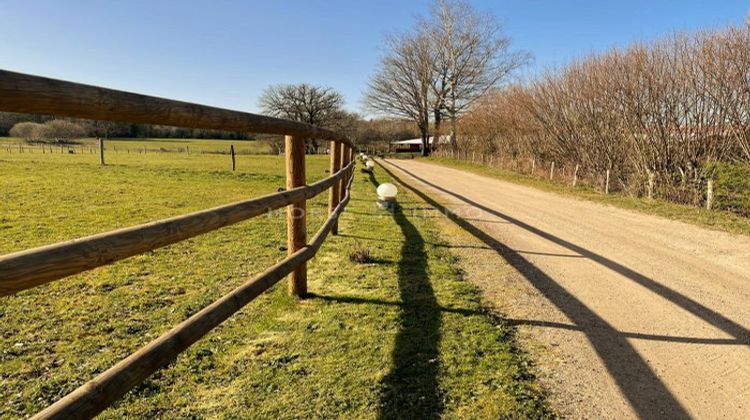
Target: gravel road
{"type": "Point", "coordinates": [640, 316]}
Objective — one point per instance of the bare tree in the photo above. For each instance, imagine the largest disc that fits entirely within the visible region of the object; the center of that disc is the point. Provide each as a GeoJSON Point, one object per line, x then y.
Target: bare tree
{"type": "Point", "coordinates": [55, 130]}
{"type": "Point", "coordinates": [28, 131]}
{"type": "Point", "coordinates": [61, 131]}
{"type": "Point", "coordinates": [402, 86]}
{"type": "Point", "coordinates": [655, 115]}
{"type": "Point", "coordinates": [316, 105]}
{"type": "Point", "coordinates": [471, 56]}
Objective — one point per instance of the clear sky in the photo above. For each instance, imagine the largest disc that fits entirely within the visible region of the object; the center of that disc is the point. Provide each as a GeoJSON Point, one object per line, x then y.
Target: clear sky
{"type": "Point", "coordinates": [224, 53]}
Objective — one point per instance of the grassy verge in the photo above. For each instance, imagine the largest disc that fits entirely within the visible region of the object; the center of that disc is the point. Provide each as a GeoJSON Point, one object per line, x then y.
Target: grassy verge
{"type": "Point", "coordinates": [715, 219]}
{"type": "Point", "coordinates": [398, 336]}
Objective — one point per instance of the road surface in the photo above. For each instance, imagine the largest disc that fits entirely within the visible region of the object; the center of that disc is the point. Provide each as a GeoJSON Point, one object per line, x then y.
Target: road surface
{"type": "Point", "coordinates": [646, 317]}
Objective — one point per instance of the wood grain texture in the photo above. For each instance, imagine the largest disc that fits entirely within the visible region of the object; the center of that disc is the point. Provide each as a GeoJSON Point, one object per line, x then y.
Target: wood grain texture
{"type": "Point", "coordinates": [296, 219]}
{"type": "Point", "coordinates": [343, 152]}
{"type": "Point", "coordinates": [40, 95]}
{"type": "Point", "coordinates": [333, 193]}
{"type": "Point", "coordinates": [33, 267]}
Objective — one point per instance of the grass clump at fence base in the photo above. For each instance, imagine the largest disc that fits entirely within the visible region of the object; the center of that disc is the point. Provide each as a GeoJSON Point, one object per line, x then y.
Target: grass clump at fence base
{"type": "Point", "coordinates": [719, 218]}
{"type": "Point", "coordinates": [400, 335]}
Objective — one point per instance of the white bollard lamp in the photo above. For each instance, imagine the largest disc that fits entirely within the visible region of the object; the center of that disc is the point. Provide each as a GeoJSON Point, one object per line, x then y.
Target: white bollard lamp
{"type": "Point", "coordinates": [387, 195]}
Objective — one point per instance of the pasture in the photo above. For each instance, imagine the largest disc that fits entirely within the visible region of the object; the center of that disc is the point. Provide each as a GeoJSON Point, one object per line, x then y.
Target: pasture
{"type": "Point", "coordinates": [400, 333]}
{"type": "Point", "coordinates": [141, 146]}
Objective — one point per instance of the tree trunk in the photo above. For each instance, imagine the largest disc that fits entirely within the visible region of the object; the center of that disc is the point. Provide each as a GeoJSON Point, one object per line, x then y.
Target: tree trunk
{"type": "Point", "coordinates": [454, 131]}
{"type": "Point", "coordinates": [436, 135]}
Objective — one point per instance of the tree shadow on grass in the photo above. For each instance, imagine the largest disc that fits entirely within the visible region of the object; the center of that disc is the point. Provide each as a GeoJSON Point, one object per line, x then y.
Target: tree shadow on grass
{"type": "Point", "coordinates": [411, 389]}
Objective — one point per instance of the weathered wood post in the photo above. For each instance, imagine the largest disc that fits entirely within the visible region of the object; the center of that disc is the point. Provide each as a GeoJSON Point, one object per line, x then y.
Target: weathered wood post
{"type": "Point", "coordinates": [344, 150]}
{"type": "Point", "coordinates": [650, 188]}
{"type": "Point", "coordinates": [296, 212]}
{"type": "Point", "coordinates": [575, 175]}
{"type": "Point", "coordinates": [473, 155]}
{"type": "Point", "coordinates": [552, 171]}
{"type": "Point", "coordinates": [231, 153]}
{"type": "Point", "coordinates": [606, 183]}
{"type": "Point", "coordinates": [333, 194]}
{"type": "Point", "coordinates": [710, 194]}
{"type": "Point", "coordinates": [533, 165]}
{"type": "Point", "coordinates": [101, 151]}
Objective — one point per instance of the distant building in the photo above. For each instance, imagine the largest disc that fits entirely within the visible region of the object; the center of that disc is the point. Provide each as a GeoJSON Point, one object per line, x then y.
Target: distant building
{"type": "Point", "coordinates": [415, 145]}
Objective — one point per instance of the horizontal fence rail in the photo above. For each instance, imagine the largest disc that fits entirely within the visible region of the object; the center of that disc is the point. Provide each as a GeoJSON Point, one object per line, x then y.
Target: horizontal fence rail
{"type": "Point", "coordinates": [31, 268]}
{"type": "Point", "coordinates": [41, 95]}
{"type": "Point", "coordinates": [34, 267]}
{"type": "Point", "coordinates": [96, 395]}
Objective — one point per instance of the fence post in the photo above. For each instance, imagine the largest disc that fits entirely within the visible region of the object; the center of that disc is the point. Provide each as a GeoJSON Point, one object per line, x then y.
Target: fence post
{"type": "Point", "coordinates": [333, 194]}
{"type": "Point", "coordinates": [552, 171]}
{"type": "Point", "coordinates": [344, 160]}
{"type": "Point", "coordinates": [575, 176]}
{"type": "Point", "coordinates": [710, 194]}
{"type": "Point", "coordinates": [296, 212]}
{"type": "Point", "coordinates": [606, 183]}
{"type": "Point", "coordinates": [101, 151]}
{"type": "Point", "coordinates": [231, 152]}
{"type": "Point", "coordinates": [650, 189]}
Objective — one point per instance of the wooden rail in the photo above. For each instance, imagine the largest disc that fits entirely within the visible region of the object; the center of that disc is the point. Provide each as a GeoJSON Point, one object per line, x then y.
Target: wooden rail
{"type": "Point", "coordinates": [34, 267]}
{"type": "Point", "coordinates": [41, 95]}
{"type": "Point", "coordinates": [96, 395]}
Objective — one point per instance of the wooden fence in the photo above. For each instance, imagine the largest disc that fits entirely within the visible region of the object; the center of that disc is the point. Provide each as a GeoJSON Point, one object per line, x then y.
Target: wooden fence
{"type": "Point", "coordinates": [34, 267]}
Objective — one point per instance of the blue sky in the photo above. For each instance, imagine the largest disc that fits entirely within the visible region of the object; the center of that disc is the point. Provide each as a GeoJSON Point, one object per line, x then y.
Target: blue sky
{"type": "Point", "coordinates": [224, 53]}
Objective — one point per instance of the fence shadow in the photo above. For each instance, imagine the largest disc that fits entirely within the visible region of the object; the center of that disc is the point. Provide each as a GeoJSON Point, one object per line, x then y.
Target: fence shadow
{"type": "Point", "coordinates": [718, 320]}
{"type": "Point", "coordinates": [647, 395]}
{"type": "Point", "coordinates": [411, 388]}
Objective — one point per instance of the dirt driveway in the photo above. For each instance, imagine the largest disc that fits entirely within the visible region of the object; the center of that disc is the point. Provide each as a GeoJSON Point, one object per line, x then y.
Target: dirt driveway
{"type": "Point", "coordinates": [634, 315]}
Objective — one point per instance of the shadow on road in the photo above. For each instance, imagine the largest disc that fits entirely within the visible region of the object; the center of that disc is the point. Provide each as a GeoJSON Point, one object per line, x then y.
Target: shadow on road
{"type": "Point", "coordinates": [645, 392]}
{"type": "Point", "coordinates": [740, 333]}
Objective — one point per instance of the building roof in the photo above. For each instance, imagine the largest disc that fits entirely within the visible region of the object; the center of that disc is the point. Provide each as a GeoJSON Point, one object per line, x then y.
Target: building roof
{"type": "Point", "coordinates": [444, 139]}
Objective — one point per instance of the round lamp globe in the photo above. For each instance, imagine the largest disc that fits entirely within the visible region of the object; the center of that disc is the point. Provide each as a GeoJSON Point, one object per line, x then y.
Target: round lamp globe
{"type": "Point", "coordinates": [387, 191]}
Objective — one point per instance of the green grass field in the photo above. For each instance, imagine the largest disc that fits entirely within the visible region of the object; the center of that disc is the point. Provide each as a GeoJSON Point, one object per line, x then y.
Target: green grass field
{"type": "Point", "coordinates": [136, 146]}
{"type": "Point", "coordinates": [714, 219]}
{"type": "Point", "coordinates": [399, 336]}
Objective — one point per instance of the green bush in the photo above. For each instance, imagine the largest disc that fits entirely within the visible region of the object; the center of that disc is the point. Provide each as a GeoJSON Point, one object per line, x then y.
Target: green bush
{"type": "Point", "coordinates": [732, 187]}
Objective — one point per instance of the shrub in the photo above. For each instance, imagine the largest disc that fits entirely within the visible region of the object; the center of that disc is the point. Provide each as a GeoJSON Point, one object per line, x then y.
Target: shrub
{"type": "Point", "coordinates": [732, 187]}
{"type": "Point", "coordinates": [360, 254]}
